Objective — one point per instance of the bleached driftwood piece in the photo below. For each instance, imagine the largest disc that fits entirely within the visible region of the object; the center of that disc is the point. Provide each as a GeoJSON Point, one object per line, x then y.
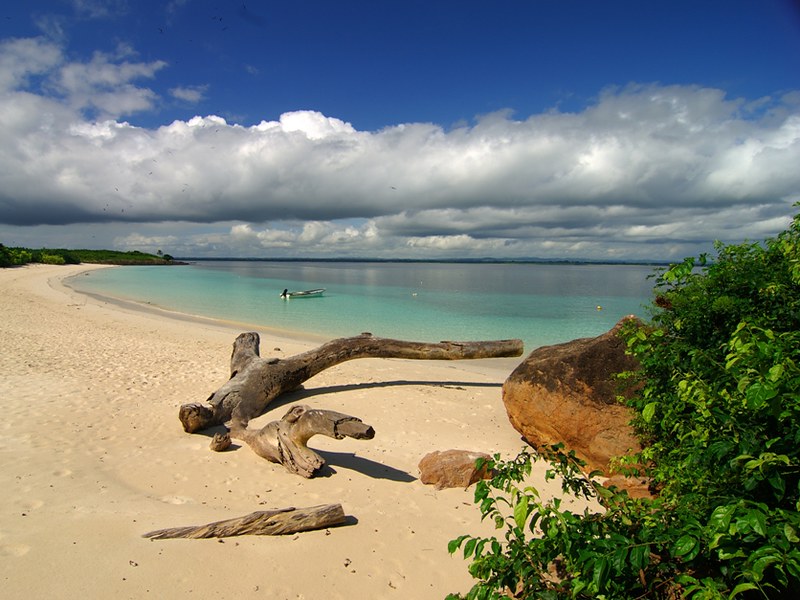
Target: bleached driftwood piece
{"type": "Point", "coordinates": [280, 521]}
{"type": "Point", "coordinates": [285, 441]}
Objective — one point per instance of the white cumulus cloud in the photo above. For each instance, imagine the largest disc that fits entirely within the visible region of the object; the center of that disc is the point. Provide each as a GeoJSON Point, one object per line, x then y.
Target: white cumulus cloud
{"type": "Point", "coordinates": [645, 171]}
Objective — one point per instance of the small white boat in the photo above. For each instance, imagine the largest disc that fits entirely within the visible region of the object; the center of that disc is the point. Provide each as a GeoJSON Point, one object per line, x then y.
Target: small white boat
{"type": "Point", "coordinates": [304, 294]}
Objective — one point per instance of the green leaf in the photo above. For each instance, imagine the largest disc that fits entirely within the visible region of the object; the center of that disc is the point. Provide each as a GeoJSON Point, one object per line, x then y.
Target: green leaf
{"type": "Point", "coordinates": [775, 373]}
{"type": "Point", "coordinates": [481, 491]}
{"type": "Point", "coordinates": [600, 573]}
{"type": "Point", "coordinates": [649, 411]}
{"type": "Point", "coordinates": [742, 587]}
{"type": "Point", "coordinates": [720, 519]}
{"type": "Point", "coordinates": [757, 521]}
{"type": "Point", "coordinates": [469, 547]}
{"type": "Point", "coordinates": [521, 512]}
{"type": "Point", "coordinates": [453, 545]}
{"type": "Point", "coordinates": [685, 545]}
{"type": "Point", "coordinates": [640, 557]}
{"type": "Point", "coordinates": [618, 559]}
{"type": "Point", "coordinates": [758, 395]}
{"type": "Point", "coordinates": [761, 564]}
{"type": "Point", "coordinates": [790, 533]}
{"type": "Point", "coordinates": [578, 586]}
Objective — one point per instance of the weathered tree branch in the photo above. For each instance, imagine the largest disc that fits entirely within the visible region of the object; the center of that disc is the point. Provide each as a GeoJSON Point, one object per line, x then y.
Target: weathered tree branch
{"type": "Point", "coordinates": [268, 522]}
{"type": "Point", "coordinates": [256, 381]}
{"type": "Point", "coordinates": [285, 441]}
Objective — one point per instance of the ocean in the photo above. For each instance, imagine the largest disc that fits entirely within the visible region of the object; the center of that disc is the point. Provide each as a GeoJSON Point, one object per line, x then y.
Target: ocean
{"type": "Point", "coordinates": [541, 303]}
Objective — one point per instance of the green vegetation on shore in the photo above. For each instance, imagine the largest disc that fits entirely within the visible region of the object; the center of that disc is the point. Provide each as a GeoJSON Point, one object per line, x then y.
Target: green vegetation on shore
{"type": "Point", "coordinates": [11, 257]}
{"type": "Point", "coordinates": [718, 414]}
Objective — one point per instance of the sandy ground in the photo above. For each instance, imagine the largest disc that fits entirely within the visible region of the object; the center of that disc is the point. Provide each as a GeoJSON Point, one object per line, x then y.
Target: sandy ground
{"type": "Point", "coordinates": [93, 456]}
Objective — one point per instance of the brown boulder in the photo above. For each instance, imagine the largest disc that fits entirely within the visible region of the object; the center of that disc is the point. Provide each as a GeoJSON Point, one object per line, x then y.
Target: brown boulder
{"type": "Point", "coordinates": [451, 468]}
{"type": "Point", "coordinates": [568, 393]}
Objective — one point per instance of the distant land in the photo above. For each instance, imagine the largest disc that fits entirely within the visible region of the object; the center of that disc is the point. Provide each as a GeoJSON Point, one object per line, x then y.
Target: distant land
{"type": "Point", "coordinates": [15, 256]}
{"type": "Point", "coordinates": [485, 260]}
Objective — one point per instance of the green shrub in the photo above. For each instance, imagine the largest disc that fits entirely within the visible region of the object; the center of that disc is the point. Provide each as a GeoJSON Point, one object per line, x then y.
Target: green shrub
{"type": "Point", "coordinates": [51, 259]}
{"type": "Point", "coordinates": [719, 416]}
{"type": "Point", "coordinates": [6, 258]}
{"type": "Point", "coordinates": [11, 257]}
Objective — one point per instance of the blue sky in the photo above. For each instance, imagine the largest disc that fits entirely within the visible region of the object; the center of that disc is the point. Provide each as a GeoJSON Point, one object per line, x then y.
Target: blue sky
{"type": "Point", "coordinates": [556, 129]}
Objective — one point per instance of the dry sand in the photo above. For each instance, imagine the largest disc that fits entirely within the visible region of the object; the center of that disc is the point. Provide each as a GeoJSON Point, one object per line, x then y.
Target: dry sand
{"type": "Point", "coordinates": [93, 456]}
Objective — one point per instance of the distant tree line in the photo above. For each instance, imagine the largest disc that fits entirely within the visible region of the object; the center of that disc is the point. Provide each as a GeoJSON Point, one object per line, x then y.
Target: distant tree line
{"type": "Point", "coordinates": [11, 257]}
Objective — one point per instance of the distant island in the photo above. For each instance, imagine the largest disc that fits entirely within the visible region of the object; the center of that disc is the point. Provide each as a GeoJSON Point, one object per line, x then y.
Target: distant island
{"type": "Point", "coordinates": [482, 260]}
{"type": "Point", "coordinates": [12, 257]}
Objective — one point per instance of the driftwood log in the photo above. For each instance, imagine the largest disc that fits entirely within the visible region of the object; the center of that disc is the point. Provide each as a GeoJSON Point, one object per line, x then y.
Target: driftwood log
{"type": "Point", "coordinates": [256, 381]}
{"type": "Point", "coordinates": [284, 441]}
{"type": "Point", "coordinates": [264, 522]}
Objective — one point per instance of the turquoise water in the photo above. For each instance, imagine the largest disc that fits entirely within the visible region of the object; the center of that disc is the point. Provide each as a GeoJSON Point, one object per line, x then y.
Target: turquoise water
{"type": "Point", "coordinates": [539, 303]}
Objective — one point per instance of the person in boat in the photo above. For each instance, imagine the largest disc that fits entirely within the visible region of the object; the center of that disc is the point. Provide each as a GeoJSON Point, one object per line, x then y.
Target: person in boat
{"type": "Point", "coordinates": [285, 293]}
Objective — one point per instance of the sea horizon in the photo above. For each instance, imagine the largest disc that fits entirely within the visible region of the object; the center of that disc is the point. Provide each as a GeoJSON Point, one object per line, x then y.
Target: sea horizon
{"type": "Point", "coordinates": [463, 260]}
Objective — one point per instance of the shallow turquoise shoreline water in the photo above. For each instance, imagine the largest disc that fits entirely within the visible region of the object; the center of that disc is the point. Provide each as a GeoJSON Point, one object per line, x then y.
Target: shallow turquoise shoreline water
{"type": "Point", "coordinates": [540, 303]}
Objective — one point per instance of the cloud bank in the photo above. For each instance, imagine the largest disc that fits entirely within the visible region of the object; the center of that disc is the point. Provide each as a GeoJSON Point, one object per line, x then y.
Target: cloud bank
{"type": "Point", "coordinates": [646, 171]}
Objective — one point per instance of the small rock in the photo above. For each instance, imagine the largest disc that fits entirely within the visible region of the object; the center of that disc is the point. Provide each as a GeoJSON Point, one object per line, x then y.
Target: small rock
{"type": "Point", "coordinates": [452, 468]}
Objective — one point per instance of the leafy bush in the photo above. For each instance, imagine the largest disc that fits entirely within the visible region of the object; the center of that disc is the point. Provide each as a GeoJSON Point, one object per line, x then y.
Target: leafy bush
{"type": "Point", "coordinates": [10, 257]}
{"type": "Point", "coordinates": [719, 416]}
{"type": "Point", "coordinates": [52, 259]}
{"type": "Point", "coordinates": [6, 258]}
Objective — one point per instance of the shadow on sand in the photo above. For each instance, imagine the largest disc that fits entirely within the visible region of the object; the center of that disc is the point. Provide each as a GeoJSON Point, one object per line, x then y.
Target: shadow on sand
{"type": "Point", "coordinates": [348, 460]}
{"type": "Point", "coordinates": [302, 393]}
{"type": "Point", "coordinates": [344, 460]}
{"type": "Point", "coordinates": [365, 466]}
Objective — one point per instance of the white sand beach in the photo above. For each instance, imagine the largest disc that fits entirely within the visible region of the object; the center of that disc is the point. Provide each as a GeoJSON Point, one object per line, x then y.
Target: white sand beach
{"type": "Point", "coordinates": [93, 456]}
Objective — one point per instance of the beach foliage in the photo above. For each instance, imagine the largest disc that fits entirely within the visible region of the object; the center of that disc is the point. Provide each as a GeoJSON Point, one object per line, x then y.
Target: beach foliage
{"type": "Point", "coordinates": [11, 257]}
{"type": "Point", "coordinates": [719, 417]}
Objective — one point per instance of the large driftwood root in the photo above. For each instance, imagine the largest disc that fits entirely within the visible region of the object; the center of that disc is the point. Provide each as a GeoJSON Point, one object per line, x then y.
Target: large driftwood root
{"type": "Point", "coordinates": [285, 441]}
{"type": "Point", "coordinates": [267, 522]}
{"type": "Point", "coordinates": [256, 381]}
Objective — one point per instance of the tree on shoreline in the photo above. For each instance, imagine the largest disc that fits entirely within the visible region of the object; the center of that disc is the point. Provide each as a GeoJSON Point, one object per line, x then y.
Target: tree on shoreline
{"type": "Point", "coordinates": [719, 418]}
{"type": "Point", "coordinates": [13, 257]}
